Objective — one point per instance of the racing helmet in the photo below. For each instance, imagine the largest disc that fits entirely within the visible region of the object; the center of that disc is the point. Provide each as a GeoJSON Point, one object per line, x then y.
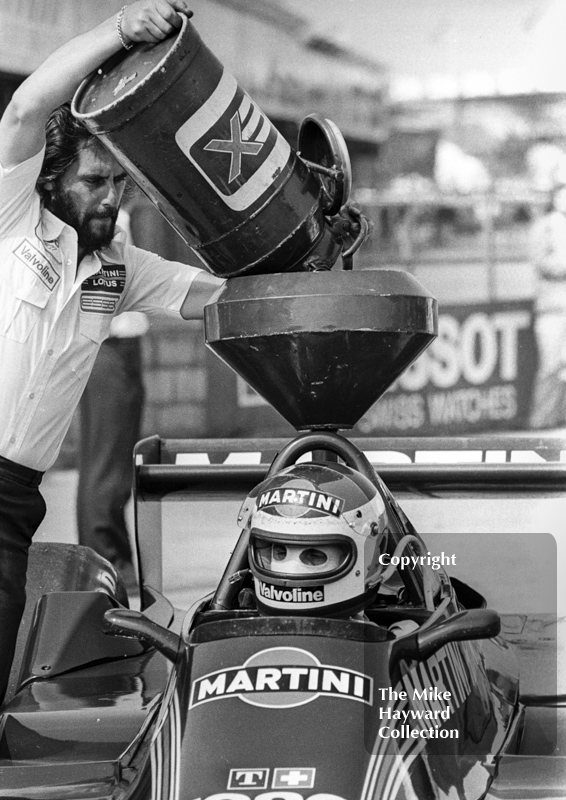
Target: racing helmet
{"type": "Point", "coordinates": [316, 532]}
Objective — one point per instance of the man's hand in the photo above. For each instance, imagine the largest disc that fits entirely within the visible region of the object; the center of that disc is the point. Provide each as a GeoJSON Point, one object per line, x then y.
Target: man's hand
{"type": "Point", "coordinates": [348, 223]}
{"type": "Point", "coordinates": [153, 20]}
{"type": "Point", "coordinates": [350, 228]}
{"type": "Point", "coordinates": [22, 127]}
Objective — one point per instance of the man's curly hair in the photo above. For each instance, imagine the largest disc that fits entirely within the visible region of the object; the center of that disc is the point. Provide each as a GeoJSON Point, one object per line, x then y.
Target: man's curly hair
{"type": "Point", "coordinates": [65, 137]}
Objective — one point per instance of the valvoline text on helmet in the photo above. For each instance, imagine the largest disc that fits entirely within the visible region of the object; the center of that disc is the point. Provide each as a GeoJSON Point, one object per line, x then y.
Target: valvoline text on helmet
{"type": "Point", "coordinates": [305, 594]}
{"type": "Point", "coordinates": [302, 497]}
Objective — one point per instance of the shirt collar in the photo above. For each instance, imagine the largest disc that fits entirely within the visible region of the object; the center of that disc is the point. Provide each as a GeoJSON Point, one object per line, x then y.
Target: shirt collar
{"type": "Point", "coordinates": [52, 226]}
{"type": "Point", "coordinates": [114, 253]}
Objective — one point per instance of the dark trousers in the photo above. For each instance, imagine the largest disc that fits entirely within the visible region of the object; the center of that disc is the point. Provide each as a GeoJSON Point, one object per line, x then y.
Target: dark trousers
{"type": "Point", "coordinates": [22, 509]}
{"type": "Point", "coordinates": [110, 421]}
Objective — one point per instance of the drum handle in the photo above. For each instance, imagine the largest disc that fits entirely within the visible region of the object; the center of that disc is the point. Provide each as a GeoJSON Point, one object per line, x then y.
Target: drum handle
{"type": "Point", "coordinates": [347, 261]}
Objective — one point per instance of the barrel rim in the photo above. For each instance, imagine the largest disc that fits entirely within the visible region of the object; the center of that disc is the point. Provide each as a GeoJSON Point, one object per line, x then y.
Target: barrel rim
{"type": "Point", "coordinates": [81, 90]}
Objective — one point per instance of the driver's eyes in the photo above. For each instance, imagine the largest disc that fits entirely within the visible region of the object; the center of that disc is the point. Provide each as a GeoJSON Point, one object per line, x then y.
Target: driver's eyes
{"type": "Point", "coordinates": [313, 557]}
{"type": "Point", "coordinates": [279, 552]}
{"type": "Point", "coordinates": [263, 550]}
{"type": "Point", "coordinates": [310, 557]}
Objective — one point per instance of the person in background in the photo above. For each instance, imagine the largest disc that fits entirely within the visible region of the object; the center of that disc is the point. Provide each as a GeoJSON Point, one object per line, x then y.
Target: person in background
{"type": "Point", "coordinates": [65, 272]}
{"type": "Point", "coordinates": [548, 407]}
{"type": "Point", "coordinates": [111, 411]}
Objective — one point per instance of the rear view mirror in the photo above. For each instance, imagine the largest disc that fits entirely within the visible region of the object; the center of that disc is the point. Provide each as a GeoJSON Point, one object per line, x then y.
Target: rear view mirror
{"type": "Point", "coordinates": [481, 623]}
{"type": "Point", "coordinates": [135, 625]}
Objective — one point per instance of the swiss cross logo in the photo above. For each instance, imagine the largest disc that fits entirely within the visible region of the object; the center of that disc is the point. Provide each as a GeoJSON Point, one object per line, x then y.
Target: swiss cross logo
{"type": "Point", "coordinates": [283, 778]}
{"type": "Point", "coordinates": [248, 779]}
{"type": "Point", "coordinates": [234, 145]}
{"type": "Point", "coordinates": [295, 778]}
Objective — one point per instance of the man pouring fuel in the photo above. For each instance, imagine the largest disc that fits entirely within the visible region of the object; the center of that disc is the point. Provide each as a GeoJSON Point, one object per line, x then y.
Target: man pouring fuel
{"type": "Point", "coordinates": [65, 271]}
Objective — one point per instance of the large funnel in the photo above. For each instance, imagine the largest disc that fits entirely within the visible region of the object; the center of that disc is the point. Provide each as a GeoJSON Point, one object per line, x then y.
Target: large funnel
{"type": "Point", "coordinates": [321, 347]}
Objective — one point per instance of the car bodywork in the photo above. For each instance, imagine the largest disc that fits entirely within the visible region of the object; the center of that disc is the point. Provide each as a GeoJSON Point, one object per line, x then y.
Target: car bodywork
{"type": "Point", "coordinates": [220, 702]}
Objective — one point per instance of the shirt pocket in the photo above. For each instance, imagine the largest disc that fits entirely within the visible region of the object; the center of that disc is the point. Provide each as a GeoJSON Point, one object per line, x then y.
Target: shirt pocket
{"type": "Point", "coordinates": [21, 309]}
{"type": "Point", "coordinates": [95, 327]}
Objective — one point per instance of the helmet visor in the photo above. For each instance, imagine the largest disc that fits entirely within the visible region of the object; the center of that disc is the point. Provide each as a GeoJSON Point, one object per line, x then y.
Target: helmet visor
{"type": "Point", "coordinates": [300, 560]}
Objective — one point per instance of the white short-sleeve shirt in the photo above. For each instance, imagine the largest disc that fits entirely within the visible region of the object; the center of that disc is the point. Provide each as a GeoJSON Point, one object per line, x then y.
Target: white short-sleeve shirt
{"type": "Point", "coordinates": [53, 318]}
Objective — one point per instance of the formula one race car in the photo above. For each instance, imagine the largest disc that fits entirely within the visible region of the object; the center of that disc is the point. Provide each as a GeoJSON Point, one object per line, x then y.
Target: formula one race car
{"type": "Point", "coordinates": [276, 685]}
{"type": "Point", "coordinates": [336, 659]}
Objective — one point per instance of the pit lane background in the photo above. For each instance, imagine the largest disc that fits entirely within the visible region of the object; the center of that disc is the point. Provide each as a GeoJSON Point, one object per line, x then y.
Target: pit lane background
{"type": "Point", "coordinates": [477, 376]}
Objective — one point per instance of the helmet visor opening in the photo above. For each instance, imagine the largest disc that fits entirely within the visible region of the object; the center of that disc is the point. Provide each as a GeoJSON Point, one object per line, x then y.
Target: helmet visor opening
{"type": "Point", "coordinates": [291, 559]}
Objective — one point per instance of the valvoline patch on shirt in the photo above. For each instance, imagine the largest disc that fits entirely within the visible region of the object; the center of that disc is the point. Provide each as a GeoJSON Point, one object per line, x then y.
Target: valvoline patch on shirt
{"type": "Point", "coordinates": [38, 262]}
{"type": "Point", "coordinates": [101, 292]}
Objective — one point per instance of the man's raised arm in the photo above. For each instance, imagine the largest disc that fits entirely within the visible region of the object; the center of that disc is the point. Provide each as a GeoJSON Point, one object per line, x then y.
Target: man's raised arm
{"type": "Point", "coordinates": [55, 81]}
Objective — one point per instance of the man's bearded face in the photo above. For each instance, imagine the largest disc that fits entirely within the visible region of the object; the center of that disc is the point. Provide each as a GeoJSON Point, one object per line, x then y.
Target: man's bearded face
{"type": "Point", "coordinates": [87, 197]}
{"type": "Point", "coordinates": [95, 229]}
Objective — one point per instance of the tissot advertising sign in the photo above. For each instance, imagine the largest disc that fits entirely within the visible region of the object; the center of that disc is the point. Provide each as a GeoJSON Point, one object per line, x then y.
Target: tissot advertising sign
{"type": "Point", "coordinates": [476, 376]}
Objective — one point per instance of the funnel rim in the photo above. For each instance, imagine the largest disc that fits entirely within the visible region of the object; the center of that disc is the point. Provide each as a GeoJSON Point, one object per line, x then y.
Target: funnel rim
{"type": "Point", "coordinates": [290, 316]}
